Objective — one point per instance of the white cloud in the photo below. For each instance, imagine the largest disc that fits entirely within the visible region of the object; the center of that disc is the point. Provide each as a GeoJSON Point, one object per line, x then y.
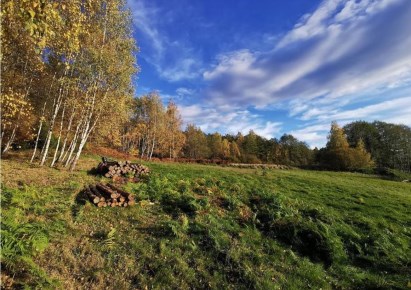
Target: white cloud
{"type": "Point", "coordinates": [313, 139]}
{"type": "Point", "coordinates": [336, 111]}
{"type": "Point", "coordinates": [332, 61]}
{"type": "Point", "coordinates": [144, 19]}
{"type": "Point", "coordinates": [226, 120]}
{"type": "Point", "coordinates": [186, 69]}
{"type": "Point", "coordinates": [342, 48]}
{"type": "Point", "coordinates": [182, 91]}
{"type": "Point", "coordinates": [377, 111]}
{"type": "Point", "coordinates": [314, 135]}
{"type": "Point", "coordinates": [311, 24]}
{"type": "Point", "coordinates": [237, 63]}
{"type": "Point", "coordinates": [402, 118]}
{"type": "Point", "coordinates": [173, 60]}
{"type": "Point", "coordinates": [267, 129]}
{"type": "Point", "coordinates": [397, 111]}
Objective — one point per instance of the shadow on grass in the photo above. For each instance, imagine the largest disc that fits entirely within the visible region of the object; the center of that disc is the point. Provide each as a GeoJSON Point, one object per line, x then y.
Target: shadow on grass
{"type": "Point", "coordinates": [156, 231]}
{"type": "Point", "coordinates": [94, 172]}
{"type": "Point", "coordinates": [79, 202]}
{"type": "Point", "coordinates": [6, 197]}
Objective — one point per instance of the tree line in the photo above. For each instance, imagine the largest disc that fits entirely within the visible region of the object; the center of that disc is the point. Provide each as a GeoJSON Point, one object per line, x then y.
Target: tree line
{"type": "Point", "coordinates": [388, 144]}
{"type": "Point", "coordinates": [155, 130]}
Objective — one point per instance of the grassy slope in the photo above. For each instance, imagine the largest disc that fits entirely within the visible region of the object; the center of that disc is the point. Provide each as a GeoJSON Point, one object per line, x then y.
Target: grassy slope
{"type": "Point", "coordinates": [208, 227]}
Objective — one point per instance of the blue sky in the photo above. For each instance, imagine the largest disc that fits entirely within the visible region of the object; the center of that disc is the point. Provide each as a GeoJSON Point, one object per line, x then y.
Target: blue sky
{"type": "Point", "coordinates": [277, 66]}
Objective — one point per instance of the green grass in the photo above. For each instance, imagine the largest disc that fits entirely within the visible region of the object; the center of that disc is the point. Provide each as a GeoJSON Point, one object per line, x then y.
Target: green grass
{"type": "Point", "coordinates": [198, 226]}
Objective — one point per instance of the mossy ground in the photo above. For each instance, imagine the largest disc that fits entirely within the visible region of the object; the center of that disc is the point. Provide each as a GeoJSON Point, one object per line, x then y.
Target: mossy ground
{"type": "Point", "coordinates": [199, 226]}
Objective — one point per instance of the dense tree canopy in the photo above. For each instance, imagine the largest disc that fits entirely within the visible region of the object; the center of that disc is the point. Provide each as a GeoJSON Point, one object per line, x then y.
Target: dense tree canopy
{"type": "Point", "coordinates": [66, 68]}
{"type": "Point", "coordinates": [153, 129]}
{"type": "Point", "coordinates": [389, 144]}
{"type": "Point", "coordinates": [339, 155]}
{"type": "Point", "coordinates": [196, 143]}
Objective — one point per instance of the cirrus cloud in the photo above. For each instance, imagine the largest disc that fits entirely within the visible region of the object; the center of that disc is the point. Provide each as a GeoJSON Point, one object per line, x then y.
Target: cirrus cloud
{"type": "Point", "coordinates": [342, 48]}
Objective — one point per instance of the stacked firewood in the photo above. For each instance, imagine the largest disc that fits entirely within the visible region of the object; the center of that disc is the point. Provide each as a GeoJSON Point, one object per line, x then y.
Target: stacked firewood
{"type": "Point", "coordinates": [109, 195]}
{"type": "Point", "coordinates": [116, 169]}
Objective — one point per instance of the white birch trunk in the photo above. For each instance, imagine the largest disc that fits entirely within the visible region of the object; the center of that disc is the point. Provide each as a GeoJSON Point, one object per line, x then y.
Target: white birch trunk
{"type": "Point", "coordinates": [11, 139]}
{"type": "Point", "coordinates": [71, 148]}
{"type": "Point", "coordinates": [143, 148]}
{"type": "Point", "coordinates": [38, 133]}
{"type": "Point", "coordinates": [63, 148]}
{"type": "Point", "coordinates": [83, 141]}
{"type": "Point", "coordinates": [59, 138]}
{"type": "Point", "coordinates": [152, 148]}
{"type": "Point", "coordinates": [46, 145]}
{"type": "Point", "coordinates": [56, 106]}
{"type": "Point", "coordinates": [87, 130]}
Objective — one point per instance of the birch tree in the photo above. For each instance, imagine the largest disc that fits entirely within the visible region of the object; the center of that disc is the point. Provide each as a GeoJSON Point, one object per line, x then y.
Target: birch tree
{"type": "Point", "coordinates": [109, 64]}
{"type": "Point", "coordinates": [65, 65]}
{"type": "Point", "coordinates": [172, 137]}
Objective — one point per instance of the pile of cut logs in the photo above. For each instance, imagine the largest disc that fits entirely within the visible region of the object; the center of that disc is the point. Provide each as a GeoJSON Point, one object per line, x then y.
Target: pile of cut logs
{"type": "Point", "coordinates": [109, 195]}
{"type": "Point", "coordinates": [114, 169]}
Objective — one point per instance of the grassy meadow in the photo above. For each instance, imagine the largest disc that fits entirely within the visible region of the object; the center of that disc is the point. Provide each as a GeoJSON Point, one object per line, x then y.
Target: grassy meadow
{"type": "Point", "coordinates": [205, 227]}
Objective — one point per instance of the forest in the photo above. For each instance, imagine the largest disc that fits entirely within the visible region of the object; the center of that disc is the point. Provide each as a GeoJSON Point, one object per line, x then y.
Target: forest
{"type": "Point", "coordinates": [67, 82]}
{"type": "Point", "coordinates": [66, 68]}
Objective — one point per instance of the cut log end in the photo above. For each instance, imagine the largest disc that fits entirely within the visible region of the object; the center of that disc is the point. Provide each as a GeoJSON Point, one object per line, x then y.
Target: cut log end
{"type": "Point", "coordinates": [103, 195]}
